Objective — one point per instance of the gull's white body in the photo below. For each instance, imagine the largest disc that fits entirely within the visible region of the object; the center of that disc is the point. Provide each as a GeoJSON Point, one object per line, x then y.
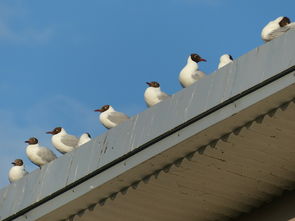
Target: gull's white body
{"type": "Point", "coordinates": [224, 60]}
{"type": "Point", "coordinates": [64, 142]}
{"type": "Point", "coordinates": [16, 173]}
{"type": "Point", "coordinates": [154, 95]}
{"type": "Point", "coordinates": [111, 118]}
{"type": "Point", "coordinates": [190, 73]}
{"type": "Point", "coordinates": [39, 155]}
{"type": "Point", "coordinates": [273, 30]}
{"type": "Point", "coordinates": [84, 139]}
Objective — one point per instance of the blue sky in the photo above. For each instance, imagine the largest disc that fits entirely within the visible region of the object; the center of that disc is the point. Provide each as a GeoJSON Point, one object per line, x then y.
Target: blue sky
{"type": "Point", "coordinates": [60, 60]}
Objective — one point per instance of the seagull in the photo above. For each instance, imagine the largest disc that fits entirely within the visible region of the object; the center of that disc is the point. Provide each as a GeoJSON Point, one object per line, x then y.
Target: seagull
{"type": "Point", "coordinates": [62, 141]}
{"type": "Point", "coordinates": [276, 28]}
{"type": "Point", "coordinates": [84, 139]}
{"type": "Point", "coordinates": [37, 154]}
{"type": "Point", "coordinates": [224, 60]}
{"type": "Point", "coordinates": [153, 94]}
{"type": "Point", "coordinates": [109, 117]}
{"type": "Point", "coordinates": [18, 171]}
{"type": "Point", "coordinates": [190, 73]}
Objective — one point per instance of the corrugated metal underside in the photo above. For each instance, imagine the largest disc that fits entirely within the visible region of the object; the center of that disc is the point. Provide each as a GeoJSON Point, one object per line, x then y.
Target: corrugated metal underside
{"type": "Point", "coordinates": [221, 180]}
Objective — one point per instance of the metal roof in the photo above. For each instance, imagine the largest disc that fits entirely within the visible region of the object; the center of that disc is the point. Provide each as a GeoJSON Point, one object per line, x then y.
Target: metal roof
{"type": "Point", "coordinates": [210, 152]}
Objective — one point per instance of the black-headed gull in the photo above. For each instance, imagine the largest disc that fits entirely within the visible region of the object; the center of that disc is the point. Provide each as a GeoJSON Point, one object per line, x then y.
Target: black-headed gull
{"type": "Point", "coordinates": [37, 154]}
{"type": "Point", "coordinates": [18, 171]}
{"type": "Point", "coordinates": [276, 28]}
{"type": "Point", "coordinates": [224, 60]}
{"type": "Point", "coordinates": [63, 141]}
{"type": "Point", "coordinates": [84, 138]}
{"type": "Point", "coordinates": [153, 94]}
{"type": "Point", "coordinates": [190, 73]}
{"type": "Point", "coordinates": [109, 117]}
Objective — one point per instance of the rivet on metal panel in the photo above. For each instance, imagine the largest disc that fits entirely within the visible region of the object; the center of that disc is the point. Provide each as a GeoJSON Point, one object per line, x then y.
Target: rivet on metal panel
{"type": "Point", "coordinates": [284, 106]}
{"type": "Point", "coordinates": [249, 124]}
{"type": "Point", "coordinates": [91, 207]}
{"type": "Point", "coordinates": [167, 168]}
{"type": "Point", "coordinates": [146, 179]}
{"type": "Point", "coordinates": [225, 137]}
{"type": "Point", "coordinates": [124, 190]}
{"type": "Point", "coordinates": [135, 184]}
{"type": "Point", "coordinates": [190, 156]}
{"type": "Point", "coordinates": [156, 173]}
{"type": "Point", "coordinates": [201, 149]}
{"type": "Point", "coordinates": [213, 143]}
{"type": "Point", "coordinates": [259, 119]}
{"type": "Point", "coordinates": [102, 201]}
{"type": "Point", "coordinates": [113, 196]}
{"type": "Point", "coordinates": [178, 162]}
{"type": "Point", "coordinates": [272, 112]}
{"type": "Point", "coordinates": [237, 130]}
{"type": "Point", "coordinates": [81, 212]}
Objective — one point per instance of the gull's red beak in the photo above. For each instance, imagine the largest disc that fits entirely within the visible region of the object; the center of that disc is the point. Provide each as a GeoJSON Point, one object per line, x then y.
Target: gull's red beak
{"type": "Point", "coordinates": [50, 132]}
{"type": "Point", "coordinates": [203, 59]}
{"type": "Point", "coordinates": [98, 110]}
{"type": "Point", "coordinates": [27, 141]}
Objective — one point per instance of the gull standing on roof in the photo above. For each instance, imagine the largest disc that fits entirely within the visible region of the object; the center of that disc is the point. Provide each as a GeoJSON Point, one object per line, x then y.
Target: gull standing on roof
{"type": "Point", "coordinates": [37, 154]}
{"type": "Point", "coordinates": [18, 171]}
{"type": "Point", "coordinates": [153, 94]}
{"type": "Point", "coordinates": [109, 117]}
{"type": "Point", "coordinates": [63, 141]}
{"type": "Point", "coordinates": [276, 28]}
{"type": "Point", "coordinates": [190, 73]}
{"type": "Point", "coordinates": [84, 139]}
{"type": "Point", "coordinates": [224, 60]}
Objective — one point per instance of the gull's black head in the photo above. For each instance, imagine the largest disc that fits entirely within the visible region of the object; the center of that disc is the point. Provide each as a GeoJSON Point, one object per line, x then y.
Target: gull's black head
{"type": "Point", "coordinates": [153, 84]}
{"type": "Point", "coordinates": [197, 58]}
{"type": "Point", "coordinates": [284, 21]}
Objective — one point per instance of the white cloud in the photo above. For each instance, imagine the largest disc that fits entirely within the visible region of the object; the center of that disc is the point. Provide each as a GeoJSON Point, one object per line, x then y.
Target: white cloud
{"type": "Point", "coordinates": [60, 110]}
{"type": "Point", "coordinates": [27, 35]}
{"type": "Point", "coordinates": [23, 32]}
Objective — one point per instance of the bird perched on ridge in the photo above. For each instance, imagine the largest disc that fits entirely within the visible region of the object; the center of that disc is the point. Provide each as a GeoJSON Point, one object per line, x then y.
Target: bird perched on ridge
{"type": "Point", "coordinates": [37, 154]}
{"type": "Point", "coordinates": [153, 94]}
{"type": "Point", "coordinates": [84, 139]}
{"type": "Point", "coordinates": [191, 73]}
{"type": "Point", "coordinates": [276, 28]}
{"type": "Point", "coordinates": [109, 117]}
{"type": "Point", "coordinates": [63, 141]}
{"type": "Point", "coordinates": [224, 60]}
{"type": "Point", "coordinates": [18, 171]}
